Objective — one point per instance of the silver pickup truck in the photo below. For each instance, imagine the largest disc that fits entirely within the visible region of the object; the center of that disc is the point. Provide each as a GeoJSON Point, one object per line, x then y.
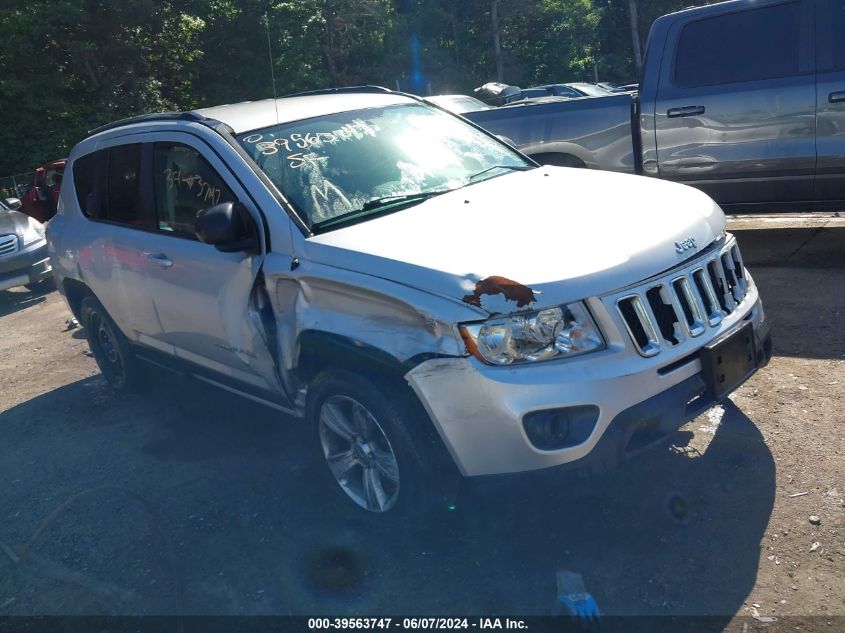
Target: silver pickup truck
{"type": "Point", "coordinates": [744, 100]}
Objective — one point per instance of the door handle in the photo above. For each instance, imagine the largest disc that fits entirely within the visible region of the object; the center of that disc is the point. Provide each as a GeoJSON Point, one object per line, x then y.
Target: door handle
{"type": "Point", "coordinates": [159, 258]}
{"type": "Point", "coordinates": [685, 111]}
{"type": "Point", "coordinates": [836, 97]}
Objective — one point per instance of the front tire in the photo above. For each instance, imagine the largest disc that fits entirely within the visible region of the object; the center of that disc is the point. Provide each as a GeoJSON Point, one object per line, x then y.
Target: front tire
{"type": "Point", "coordinates": [377, 453]}
{"type": "Point", "coordinates": [109, 347]}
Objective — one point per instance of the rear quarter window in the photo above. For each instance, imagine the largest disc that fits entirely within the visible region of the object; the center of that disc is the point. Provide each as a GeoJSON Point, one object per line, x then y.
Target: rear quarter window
{"type": "Point", "coordinates": [85, 184]}
{"type": "Point", "coordinates": [742, 46]}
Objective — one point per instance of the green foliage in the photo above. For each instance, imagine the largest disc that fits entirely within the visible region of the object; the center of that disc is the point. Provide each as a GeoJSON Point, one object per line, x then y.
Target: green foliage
{"type": "Point", "coordinates": [67, 66]}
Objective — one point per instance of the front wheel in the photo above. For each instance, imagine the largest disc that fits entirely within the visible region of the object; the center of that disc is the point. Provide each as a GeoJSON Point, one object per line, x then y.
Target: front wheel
{"type": "Point", "coordinates": [377, 451]}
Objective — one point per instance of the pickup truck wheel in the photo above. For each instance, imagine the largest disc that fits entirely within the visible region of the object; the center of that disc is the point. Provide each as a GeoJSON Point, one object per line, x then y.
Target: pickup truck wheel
{"type": "Point", "coordinates": [371, 446]}
{"type": "Point", "coordinates": [109, 347]}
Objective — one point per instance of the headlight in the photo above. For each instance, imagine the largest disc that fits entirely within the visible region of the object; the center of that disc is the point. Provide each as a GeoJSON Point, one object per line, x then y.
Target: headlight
{"type": "Point", "coordinates": [558, 332]}
{"type": "Point", "coordinates": [34, 232]}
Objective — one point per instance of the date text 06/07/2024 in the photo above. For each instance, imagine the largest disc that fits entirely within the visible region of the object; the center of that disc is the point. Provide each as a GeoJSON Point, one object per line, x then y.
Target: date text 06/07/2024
{"type": "Point", "coordinates": [415, 623]}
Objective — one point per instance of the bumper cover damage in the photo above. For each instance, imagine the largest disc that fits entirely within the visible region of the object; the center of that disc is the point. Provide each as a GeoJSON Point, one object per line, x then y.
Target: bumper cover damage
{"type": "Point", "coordinates": [478, 410]}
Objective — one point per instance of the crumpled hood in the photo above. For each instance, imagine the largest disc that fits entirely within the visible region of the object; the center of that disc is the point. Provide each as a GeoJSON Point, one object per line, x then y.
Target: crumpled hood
{"type": "Point", "coordinates": [564, 233]}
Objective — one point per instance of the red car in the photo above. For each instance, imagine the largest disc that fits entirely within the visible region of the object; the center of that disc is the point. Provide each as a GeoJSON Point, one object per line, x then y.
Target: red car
{"type": "Point", "coordinates": [43, 196]}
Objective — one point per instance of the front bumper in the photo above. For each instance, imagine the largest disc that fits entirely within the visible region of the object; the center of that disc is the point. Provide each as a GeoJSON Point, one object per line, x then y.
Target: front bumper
{"type": "Point", "coordinates": [28, 266]}
{"type": "Point", "coordinates": [478, 409]}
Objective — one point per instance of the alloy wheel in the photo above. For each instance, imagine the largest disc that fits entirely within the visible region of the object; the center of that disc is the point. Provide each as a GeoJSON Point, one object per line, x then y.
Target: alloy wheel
{"type": "Point", "coordinates": [358, 453]}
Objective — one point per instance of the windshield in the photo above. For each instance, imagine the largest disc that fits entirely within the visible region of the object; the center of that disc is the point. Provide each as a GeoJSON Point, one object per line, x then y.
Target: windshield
{"type": "Point", "coordinates": [337, 166]}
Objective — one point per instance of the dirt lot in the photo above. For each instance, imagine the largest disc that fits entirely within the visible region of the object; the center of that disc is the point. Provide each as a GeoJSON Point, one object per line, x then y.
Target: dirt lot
{"type": "Point", "coordinates": [193, 501]}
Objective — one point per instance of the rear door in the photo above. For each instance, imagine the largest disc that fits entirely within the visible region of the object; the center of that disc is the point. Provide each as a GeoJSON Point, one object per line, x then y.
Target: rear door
{"type": "Point", "coordinates": [115, 201]}
{"type": "Point", "coordinates": [830, 97]}
{"type": "Point", "coordinates": [736, 100]}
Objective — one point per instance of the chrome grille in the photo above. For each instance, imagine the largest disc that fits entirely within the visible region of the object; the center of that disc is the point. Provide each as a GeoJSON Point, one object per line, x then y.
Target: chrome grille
{"type": "Point", "coordinates": [8, 244]}
{"type": "Point", "coordinates": [683, 304]}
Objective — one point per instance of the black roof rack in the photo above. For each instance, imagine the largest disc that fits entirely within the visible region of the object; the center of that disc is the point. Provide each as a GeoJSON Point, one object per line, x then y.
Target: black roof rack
{"type": "Point", "coordinates": [160, 116]}
{"type": "Point", "coordinates": [342, 90]}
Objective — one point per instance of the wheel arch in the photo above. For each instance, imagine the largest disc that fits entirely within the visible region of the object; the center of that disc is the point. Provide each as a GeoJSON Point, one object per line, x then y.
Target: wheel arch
{"type": "Point", "coordinates": [559, 159]}
{"type": "Point", "coordinates": [318, 350]}
{"type": "Point", "coordinates": [75, 291]}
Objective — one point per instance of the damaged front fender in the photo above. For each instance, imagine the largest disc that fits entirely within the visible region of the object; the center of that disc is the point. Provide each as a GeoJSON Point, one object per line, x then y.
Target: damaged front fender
{"type": "Point", "coordinates": [356, 311]}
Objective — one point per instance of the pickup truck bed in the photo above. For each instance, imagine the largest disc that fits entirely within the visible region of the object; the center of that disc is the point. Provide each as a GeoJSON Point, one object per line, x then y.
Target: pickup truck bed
{"type": "Point", "coordinates": [591, 132]}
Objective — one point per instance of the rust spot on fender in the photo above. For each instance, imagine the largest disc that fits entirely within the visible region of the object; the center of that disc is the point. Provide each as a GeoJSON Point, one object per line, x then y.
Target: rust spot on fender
{"type": "Point", "coordinates": [495, 285]}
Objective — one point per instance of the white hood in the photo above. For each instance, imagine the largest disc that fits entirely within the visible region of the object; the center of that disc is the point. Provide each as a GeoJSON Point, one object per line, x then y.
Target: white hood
{"type": "Point", "coordinates": [564, 233]}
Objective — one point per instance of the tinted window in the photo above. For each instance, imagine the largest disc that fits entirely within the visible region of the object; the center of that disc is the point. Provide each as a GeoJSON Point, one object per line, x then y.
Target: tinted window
{"type": "Point", "coordinates": [124, 185]}
{"type": "Point", "coordinates": [743, 46]}
{"type": "Point", "coordinates": [84, 182]}
{"type": "Point", "coordinates": [184, 184]}
{"type": "Point", "coordinates": [837, 25]}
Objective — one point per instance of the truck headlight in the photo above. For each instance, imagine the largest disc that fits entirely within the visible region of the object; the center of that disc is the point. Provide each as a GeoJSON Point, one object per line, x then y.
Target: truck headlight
{"type": "Point", "coordinates": [34, 232]}
{"type": "Point", "coordinates": [562, 331]}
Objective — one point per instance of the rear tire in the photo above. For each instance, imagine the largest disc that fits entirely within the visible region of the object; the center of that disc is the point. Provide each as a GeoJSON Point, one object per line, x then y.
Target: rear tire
{"type": "Point", "coordinates": [110, 348]}
{"type": "Point", "coordinates": [377, 455]}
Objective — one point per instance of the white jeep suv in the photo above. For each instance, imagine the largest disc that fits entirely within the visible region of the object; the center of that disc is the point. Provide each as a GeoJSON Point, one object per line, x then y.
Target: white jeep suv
{"type": "Point", "coordinates": [428, 299]}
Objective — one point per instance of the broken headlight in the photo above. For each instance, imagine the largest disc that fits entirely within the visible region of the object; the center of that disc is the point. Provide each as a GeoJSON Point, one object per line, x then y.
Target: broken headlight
{"type": "Point", "coordinates": [558, 332]}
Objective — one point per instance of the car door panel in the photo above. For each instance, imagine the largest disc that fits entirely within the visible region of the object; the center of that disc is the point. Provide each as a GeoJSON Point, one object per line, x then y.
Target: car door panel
{"type": "Point", "coordinates": [743, 132]}
{"type": "Point", "coordinates": [201, 295]}
{"type": "Point", "coordinates": [119, 281]}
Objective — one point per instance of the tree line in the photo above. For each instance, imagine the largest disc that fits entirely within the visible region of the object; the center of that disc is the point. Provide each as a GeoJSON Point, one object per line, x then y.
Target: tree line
{"type": "Point", "coordinates": [67, 66]}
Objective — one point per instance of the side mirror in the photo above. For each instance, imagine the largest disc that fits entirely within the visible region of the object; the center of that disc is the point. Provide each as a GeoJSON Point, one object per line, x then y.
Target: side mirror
{"type": "Point", "coordinates": [224, 226]}
{"type": "Point", "coordinates": [506, 140]}
{"type": "Point", "coordinates": [13, 203]}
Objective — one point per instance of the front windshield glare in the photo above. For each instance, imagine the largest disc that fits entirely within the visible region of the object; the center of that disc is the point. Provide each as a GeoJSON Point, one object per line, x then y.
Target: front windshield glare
{"type": "Point", "coordinates": [342, 165]}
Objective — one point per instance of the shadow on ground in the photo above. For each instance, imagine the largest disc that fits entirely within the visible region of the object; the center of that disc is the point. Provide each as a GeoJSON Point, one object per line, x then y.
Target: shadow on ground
{"type": "Point", "coordinates": [19, 299]}
{"type": "Point", "coordinates": [193, 501]}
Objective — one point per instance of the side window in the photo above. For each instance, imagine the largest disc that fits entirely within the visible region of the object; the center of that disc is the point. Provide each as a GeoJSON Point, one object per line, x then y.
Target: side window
{"type": "Point", "coordinates": [837, 28]}
{"type": "Point", "coordinates": [742, 46]}
{"type": "Point", "coordinates": [84, 182]}
{"type": "Point", "coordinates": [184, 185]}
{"type": "Point", "coordinates": [124, 204]}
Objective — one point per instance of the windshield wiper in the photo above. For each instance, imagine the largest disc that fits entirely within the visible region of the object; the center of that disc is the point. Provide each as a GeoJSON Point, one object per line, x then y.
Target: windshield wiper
{"type": "Point", "coordinates": [507, 167]}
{"type": "Point", "coordinates": [379, 204]}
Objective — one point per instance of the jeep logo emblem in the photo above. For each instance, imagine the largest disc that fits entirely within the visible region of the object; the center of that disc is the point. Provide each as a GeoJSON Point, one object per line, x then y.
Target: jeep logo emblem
{"type": "Point", "coordinates": [685, 245]}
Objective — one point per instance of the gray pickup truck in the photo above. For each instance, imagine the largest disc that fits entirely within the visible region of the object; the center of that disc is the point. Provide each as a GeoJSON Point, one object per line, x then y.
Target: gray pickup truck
{"type": "Point", "coordinates": [742, 99]}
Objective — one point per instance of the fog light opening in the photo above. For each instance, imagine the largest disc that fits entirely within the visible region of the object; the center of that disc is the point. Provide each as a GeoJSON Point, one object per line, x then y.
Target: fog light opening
{"type": "Point", "coordinates": [555, 429]}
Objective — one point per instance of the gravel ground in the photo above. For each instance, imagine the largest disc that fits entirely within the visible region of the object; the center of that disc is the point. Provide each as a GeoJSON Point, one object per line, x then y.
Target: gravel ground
{"type": "Point", "coordinates": [194, 501]}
